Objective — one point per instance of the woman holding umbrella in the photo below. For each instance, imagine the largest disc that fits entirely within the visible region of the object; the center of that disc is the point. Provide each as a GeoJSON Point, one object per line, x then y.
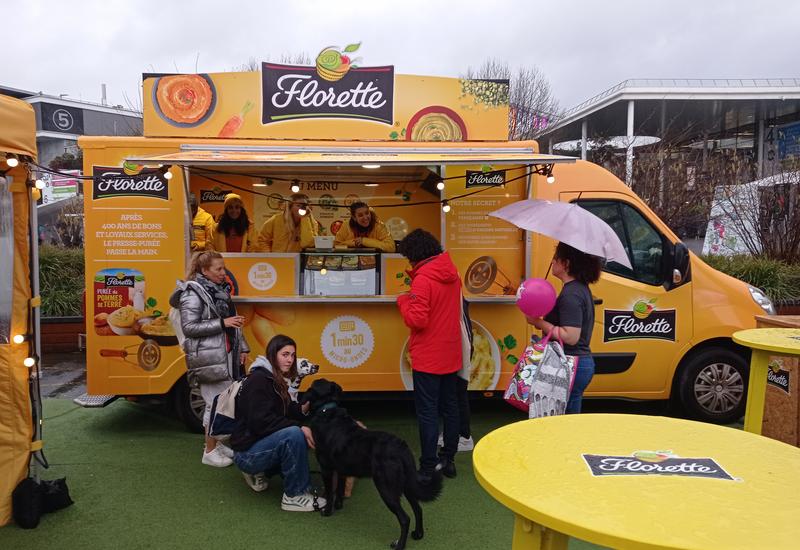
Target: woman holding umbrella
{"type": "Point", "coordinates": [572, 317]}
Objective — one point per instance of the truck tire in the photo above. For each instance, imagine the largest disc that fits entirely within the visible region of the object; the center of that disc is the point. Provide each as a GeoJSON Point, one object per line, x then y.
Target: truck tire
{"type": "Point", "coordinates": [713, 385]}
{"type": "Point", "coordinates": [189, 405]}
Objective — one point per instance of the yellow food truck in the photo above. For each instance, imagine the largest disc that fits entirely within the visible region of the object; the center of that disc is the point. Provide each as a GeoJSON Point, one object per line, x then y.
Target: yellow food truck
{"type": "Point", "coordinates": [423, 152]}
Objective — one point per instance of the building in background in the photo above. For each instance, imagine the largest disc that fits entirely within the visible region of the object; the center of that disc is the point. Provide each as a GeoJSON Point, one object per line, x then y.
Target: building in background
{"type": "Point", "coordinates": [676, 140]}
{"type": "Point", "coordinates": [59, 122]}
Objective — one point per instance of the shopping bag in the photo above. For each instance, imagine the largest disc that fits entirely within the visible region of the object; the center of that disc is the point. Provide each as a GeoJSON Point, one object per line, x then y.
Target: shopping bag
{"type": "Point", "coordinates": [222, 420]}
{"type": "Point", "coordinates": [552, 380]}
{"type": "Point", "coordinates": [519, 387]}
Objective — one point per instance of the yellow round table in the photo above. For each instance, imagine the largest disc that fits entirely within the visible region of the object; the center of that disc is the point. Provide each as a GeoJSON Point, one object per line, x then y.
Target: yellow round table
{"type": "Point", "coordinates": [538, 470]}
{"type": "Point", "coordinates": [764, 342]}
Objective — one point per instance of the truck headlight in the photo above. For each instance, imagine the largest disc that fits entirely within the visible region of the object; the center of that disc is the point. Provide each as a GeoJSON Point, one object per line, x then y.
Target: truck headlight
{"type": "Point", "coordinates": [762, 299]}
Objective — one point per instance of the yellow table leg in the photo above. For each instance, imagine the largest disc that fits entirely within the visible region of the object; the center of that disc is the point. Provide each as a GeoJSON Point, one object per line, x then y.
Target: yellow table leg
{"type": "Point", "coordinates": [532, 536]}
{"type": "Point", "coordinates": [754, 413]}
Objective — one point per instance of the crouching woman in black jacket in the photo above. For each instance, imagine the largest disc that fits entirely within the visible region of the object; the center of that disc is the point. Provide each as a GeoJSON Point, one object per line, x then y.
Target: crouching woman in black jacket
{"type": "Point", "coordinates": [268, 438]}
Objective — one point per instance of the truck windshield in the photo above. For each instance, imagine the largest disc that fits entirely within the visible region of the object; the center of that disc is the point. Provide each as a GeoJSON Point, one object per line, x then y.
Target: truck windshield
{"type": "Point", "coordinates": [642, 242]}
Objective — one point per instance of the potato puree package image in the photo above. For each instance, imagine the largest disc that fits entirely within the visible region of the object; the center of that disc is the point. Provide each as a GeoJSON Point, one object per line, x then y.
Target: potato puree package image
{"type": "Point", "coordinates": [119, 300]}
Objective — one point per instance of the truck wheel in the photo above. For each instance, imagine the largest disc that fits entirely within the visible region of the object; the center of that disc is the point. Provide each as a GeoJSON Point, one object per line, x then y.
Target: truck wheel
{"type": "Point", "coordinates": [189, 405]}
{"type": "Point", "coordinates": [713, 385]}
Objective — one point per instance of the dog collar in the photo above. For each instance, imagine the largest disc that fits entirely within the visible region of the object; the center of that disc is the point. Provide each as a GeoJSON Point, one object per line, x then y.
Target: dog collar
{"type": "Point", "coordinates": [327, 406]}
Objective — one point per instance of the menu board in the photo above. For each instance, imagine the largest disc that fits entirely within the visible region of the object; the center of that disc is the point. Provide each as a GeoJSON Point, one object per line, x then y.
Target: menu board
{"type": "Point", "coordinates": [489, 252]}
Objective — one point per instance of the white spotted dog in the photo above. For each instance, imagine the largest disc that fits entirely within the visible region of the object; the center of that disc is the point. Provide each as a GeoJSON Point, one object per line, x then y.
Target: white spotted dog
{"type": "Point", "coordinates": [304, 368]}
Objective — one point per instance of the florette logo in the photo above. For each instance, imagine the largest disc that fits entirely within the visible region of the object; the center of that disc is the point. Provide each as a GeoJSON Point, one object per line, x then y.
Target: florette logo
{"type": "Point", "coordinates": [214, 195]}
{"type": "Point", "coordinates": [116, 182]}
{"type": "Point", "coordinates": [642, 321]}
{"type": "Point", "coordinates": [642, 309]}
{"type": "Point", "coordinates": [120, 280]}
{"type": "Point", "coordinates": [778, 377]}
{"type": "Point", "coordinates": [654, 463]}
{"type": "Point", "coordinates": [477, 178]}
{"type": "Point", "coordinates": [335, 87]}
{"type": "Point", "coordinates": [332, 64]}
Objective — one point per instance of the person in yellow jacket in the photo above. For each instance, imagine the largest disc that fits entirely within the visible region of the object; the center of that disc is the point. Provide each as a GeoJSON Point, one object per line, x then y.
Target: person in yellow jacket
{"type": "Point", "coordinates": [364, 230]}
{"type": "Point", "coordinates": [202, 227]}
{"type": "Point", "coordinates": [289, 231]}
{"type": "Point", "coordinates": [234, 232]}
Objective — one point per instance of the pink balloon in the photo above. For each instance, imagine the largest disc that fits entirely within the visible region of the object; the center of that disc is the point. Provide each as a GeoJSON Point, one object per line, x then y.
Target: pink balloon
{"type": "Point", "coordinates": [536, 297]}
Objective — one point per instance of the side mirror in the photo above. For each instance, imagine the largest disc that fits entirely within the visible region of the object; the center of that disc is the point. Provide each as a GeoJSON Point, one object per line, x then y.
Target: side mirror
{"type": "Point", "coordinates": [681, 272]}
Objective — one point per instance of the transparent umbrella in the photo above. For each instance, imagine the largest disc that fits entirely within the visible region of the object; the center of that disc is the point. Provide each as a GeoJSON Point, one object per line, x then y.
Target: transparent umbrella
{"type": "Point", "coordinates": [568, 223]}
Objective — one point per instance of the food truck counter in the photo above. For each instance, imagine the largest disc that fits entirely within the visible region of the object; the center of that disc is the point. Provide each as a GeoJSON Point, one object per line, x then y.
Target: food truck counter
{"type": "Point", "coordinates": [373, 299]}
{"type": "Point", "coordinates": [324, 276]}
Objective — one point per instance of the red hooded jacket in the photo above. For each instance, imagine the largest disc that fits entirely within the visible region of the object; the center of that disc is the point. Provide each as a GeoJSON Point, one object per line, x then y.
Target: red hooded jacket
{"type": "Point", "coordinates": [432, 310]}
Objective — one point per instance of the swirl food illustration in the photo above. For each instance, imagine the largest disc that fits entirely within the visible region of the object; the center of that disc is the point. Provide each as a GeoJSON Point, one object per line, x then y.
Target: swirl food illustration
{"type": "Point", "coordinates": [184, 100]}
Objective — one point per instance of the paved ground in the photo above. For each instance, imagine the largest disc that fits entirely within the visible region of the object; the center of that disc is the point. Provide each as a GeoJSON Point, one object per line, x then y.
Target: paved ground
{"type": "Point", "coordinates": [63, 375]}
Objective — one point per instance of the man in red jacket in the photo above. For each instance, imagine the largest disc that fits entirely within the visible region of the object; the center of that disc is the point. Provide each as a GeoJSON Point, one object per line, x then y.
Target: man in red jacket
{"type": "Point", "coordinates": [432, 310]}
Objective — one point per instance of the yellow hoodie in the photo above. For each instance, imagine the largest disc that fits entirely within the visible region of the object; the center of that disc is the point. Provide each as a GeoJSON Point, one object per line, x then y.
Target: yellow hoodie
{"type": "Point", "coordinates": [202, 230]}
{"type": "Point", "coordinates": [275, 237]}
{"type": "Point", "coordinates": [248, 239]}
{"type": "Point", "coordinates": [379, 237]}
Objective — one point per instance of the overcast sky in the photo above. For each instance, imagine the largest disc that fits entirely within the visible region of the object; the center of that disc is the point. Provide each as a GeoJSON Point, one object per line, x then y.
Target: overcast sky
{"type": "Point", "coordinates": [583, 46]}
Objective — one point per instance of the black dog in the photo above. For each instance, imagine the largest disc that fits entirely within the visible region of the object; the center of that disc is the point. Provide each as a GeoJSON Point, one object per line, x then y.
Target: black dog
{"type": "Point", "coordinates": [344, 448]}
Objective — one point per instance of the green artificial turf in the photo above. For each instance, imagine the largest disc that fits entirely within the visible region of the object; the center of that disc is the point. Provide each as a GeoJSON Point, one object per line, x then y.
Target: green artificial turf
{"type": "Point", "coordinates": [137, 481]}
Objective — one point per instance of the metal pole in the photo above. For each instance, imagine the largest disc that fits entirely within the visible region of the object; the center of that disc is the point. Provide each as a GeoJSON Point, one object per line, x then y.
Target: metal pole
{"type": "Point", "coordinates": [629, 151]}
{"type": "Point", "coordinates": [36, 397]}
{"type": "Point", "coordinates": [663, 154]}
{"type": "Point", "coordinates": [550, 146]}
{"type": "Point", "coordinates": [584, 131]}
{"type": "Point", "coordinates": [760, 134]}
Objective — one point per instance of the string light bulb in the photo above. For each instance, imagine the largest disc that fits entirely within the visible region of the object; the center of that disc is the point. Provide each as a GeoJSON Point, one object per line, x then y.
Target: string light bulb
{"type": "Point", "coordinates": [167, 175]}
{"type": "Point", "coordinates": [551, 178]}
{"type": "Point", "coordinates": [39, 183]}
{"type": "Point", "coordinates": [302, 211]}
{"type": "Point", "coordinates": [29, 362]}
{"type": "Point", "coordinates": [296, 187]}
{"type": "Point", "coordinates": [12, 160]}
{"type": "Point", "coordinates": [440, 185]}
{"type": "Point", "coordinates": [445, 207]}
{"type": "Point", "coordinates": [323, 271]}
{"type": "Point", "coordinates": [19, 338]}
{"type": "Point", "coordinates": [165, 171]}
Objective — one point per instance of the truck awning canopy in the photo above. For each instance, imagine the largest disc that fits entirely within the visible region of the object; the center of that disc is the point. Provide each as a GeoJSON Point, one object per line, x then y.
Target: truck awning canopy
{"type": "Point", "coordinates": [414, 154]}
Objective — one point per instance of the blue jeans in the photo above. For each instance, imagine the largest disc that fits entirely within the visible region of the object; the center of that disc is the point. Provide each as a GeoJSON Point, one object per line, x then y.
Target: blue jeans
{"type": "Point", "coordinates": [284, 452]}
{"type": "Point", "coordinates": [582, 379]}
{"type": "Point", "coordinates": [435, 394]}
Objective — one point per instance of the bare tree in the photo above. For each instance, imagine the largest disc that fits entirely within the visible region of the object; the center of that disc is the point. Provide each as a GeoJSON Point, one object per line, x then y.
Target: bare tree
{"type": "Point", "coordinates": [254, 65]}
{"type": "Point", "coordinates": [760, 217]}
{"type": "Point", "coordinates": [532, 106]}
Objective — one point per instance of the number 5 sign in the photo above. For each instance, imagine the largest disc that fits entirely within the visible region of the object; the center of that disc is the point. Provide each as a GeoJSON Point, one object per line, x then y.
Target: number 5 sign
{"type": "Point", "coordinates": [59, 118]}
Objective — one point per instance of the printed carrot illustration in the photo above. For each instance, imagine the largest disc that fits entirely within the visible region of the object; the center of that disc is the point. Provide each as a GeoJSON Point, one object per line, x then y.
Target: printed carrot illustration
{"type": "Point", "coordinates": [235, 123]}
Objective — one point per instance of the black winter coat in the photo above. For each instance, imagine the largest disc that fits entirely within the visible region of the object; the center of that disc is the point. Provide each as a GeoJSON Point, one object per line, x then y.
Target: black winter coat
{"type": "Point", "coordinates": [260, 410]}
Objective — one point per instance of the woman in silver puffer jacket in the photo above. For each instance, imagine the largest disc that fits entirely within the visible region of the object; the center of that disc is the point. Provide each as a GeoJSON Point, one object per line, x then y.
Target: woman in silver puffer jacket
{"type": "Point", "coordinates": [214, 346]}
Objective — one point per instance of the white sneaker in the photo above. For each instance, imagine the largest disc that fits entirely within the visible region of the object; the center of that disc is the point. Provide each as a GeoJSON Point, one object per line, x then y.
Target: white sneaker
{"type": "Point", "coordinates": [305, 502]}
{"type": "Point", "coordinates": [257, 482]}
{"type": "Point", "coordinates": [464, 443]}
{"type": "Point", "coordinates": [224, 450]}
{"type": "Point", "coordinates": [216, 458]}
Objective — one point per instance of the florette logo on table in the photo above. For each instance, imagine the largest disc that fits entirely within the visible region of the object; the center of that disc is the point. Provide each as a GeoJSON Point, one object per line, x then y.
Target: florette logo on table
{"type": "Point", "coordinates": [654, 463]}
{"type": "Point", "coordinates": [109, 182]}
{"type": "Point", "coordinates": [778, 377]}
{"type": "Point", "coordinates": [335, 87]}
{"type": "Point", "coordinates": [642, 321]}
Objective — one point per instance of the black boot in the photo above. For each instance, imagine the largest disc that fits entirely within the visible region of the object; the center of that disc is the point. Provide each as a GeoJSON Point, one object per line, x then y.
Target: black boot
{"type": "Point", "coordinates": [447, 467]}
